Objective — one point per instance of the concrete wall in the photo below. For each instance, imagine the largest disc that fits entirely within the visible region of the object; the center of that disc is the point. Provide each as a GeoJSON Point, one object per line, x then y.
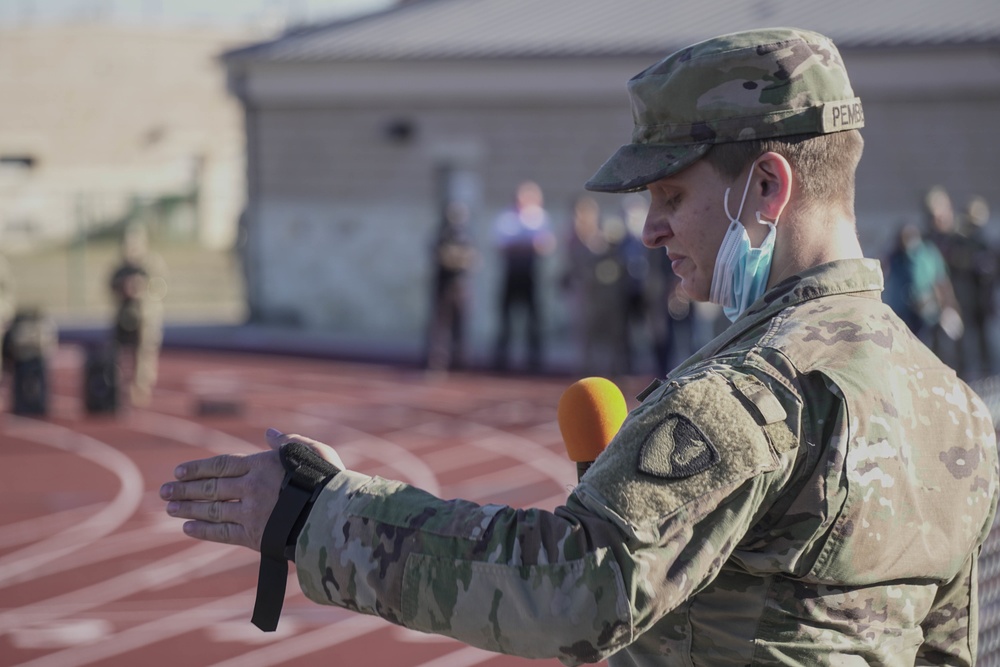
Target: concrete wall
{"type": "Point", "coordinates": [355, 213]}
{"type": "Point", "coordinates": [350, 211]}
{"type": "Point", "coordinates": [930, 119]}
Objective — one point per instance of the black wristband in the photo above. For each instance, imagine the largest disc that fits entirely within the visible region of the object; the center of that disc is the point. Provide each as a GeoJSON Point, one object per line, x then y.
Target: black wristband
{"type": "Point", "coordinates": [307, 473]}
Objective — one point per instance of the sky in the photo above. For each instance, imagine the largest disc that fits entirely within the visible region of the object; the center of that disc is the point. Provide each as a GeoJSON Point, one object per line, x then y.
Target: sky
{"type": "Point", "coordinates": [216, 13]}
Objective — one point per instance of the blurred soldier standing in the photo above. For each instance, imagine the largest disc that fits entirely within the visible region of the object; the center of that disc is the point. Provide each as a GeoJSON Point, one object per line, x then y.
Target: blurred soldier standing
{"type": "Point", "coordinates": [795, 493]}
{"type": "Point", "coordinates": [523, 235]}
{"type": "Point", "coordinates": [8, 301]}
{"type": "Point", "coordinates": [974, 279]}
{"type": "Point", "coordinates": [917, 286]}
{"type": "Point", "coordinates": [28, 346]}
{"type": "Point", "coordinates": [138, 286]}
{"type": "Point", "coordinates": [453, 255]}
{"type": "Point", "coordinates": [594, 275]}
{"type": "Point", "coordinates": [942, 231]}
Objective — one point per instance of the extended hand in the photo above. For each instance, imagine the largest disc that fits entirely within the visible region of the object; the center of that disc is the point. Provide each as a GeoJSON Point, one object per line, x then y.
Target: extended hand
{"type": "Point", "coordinates": [229, 498]}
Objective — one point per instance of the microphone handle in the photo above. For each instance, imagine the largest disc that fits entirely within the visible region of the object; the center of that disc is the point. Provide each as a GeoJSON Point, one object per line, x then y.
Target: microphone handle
{"type": "Point", "coordinates": [582, 467]}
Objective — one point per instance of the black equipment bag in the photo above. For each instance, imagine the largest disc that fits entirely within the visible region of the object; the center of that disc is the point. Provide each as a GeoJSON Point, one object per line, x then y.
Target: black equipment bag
{"type": "Point", "coordinates": [100, 380]}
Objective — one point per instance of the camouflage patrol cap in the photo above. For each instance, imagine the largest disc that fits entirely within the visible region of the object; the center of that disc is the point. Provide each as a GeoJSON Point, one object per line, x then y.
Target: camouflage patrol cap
{"type": "Point", "coordinates": [748, 85]}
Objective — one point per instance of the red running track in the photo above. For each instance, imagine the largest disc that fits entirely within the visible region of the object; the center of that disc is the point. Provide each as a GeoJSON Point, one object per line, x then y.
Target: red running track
{"type": "Point", "coordinates": [93, 572]}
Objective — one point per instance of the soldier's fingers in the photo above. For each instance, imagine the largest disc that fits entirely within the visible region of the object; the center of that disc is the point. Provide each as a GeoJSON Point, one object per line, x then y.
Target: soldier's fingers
{"type": "Point", "coordinates": [212, 512]}
{"type": "Point", "coordinates": [213, 488]}
{"type": "Point", "coordinates": [225, 465]}
{"type": "Point", "coordinates": [224, 533]}
{"type": "Point", "coordinates": [275, 438]}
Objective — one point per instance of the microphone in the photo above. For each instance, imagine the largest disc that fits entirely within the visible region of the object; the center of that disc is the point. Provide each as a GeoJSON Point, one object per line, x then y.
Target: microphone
{"type": "Point", "coordinates": [590, 413]}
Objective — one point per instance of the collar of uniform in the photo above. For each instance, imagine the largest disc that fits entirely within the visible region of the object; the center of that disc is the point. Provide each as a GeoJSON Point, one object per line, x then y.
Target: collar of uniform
{"type": "Point", "coordinates": [846, 276]}
{"type": "Point", "coordinates": [861, 277]}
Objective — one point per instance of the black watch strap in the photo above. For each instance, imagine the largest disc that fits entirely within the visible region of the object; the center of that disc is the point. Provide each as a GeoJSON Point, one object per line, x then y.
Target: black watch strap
{"type": "Point", "coordinates": [306, 473]}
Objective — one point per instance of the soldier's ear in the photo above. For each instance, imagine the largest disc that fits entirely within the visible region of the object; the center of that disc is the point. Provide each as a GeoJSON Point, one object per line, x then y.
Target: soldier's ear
{"type": "Point", "coordinates": [774, 178]}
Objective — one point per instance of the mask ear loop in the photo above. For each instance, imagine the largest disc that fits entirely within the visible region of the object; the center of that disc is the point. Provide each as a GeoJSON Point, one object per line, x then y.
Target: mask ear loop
{"type": "Point", "coordinates": [765, 222]}
{"type": "Point", "coordinates": [772, 227]}
{"type": "Point", "coordinates": [746, 190]}
{"type": "Point", "coordinates": [729, 243]}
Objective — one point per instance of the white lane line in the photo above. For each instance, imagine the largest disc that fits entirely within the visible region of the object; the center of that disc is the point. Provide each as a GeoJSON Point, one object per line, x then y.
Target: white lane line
{"type": "Point", "coordinates": [463, 657]}
{"type": "Point", "coordinates": [498, 482]}
{"type": "Point", "coordinates": [29, 530]}
{"type": "Point", "coordinates": [423, 471]}
{"type": "Point", "coordinates": [346, 630]}
{"type": "Point", "coordinates": [207, 569]}
{"type": "Point", "coordinates": [350, 628]}
{"type": "Point", "coordinates": [72, 632]}
{"type": "Point", "coordinates": [190, 433]}
{"type": "Point", "coordinates": [92, 529]}
{"type": "Point", "coordinates": [113, 546]}
{"type": "Point", "coordinates": [457, 457]}
{"type": "Point", "coordinates": [188, 620]}
{"type": "Point", "coordinates": [173, 568]}
{"type": "Point", "coordinates": [411, 468]}
{"type": "Point", "coordinates": [529, 452]}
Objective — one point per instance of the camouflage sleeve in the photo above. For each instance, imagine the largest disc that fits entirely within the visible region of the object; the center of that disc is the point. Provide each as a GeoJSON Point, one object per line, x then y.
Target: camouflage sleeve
{"type": "Point", "coordinates": [692, 470]}
{"type": "Point", "coordinates": [648, 526]}
{"type": "Point", "coordinates": [525, 582]}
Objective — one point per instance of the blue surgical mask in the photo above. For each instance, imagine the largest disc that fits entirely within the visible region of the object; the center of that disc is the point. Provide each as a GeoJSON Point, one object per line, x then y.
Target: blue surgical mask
{"type": "Point", "coordinates": [741, 271]}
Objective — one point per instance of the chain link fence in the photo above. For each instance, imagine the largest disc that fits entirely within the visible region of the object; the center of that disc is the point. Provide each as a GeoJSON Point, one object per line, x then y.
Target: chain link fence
{"type": "Point", "coordinates": [989, 563]}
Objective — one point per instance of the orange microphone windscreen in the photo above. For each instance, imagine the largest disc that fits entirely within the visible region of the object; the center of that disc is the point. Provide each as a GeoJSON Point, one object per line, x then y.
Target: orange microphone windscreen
{"type": "Point", "coordinates": [590, 413]}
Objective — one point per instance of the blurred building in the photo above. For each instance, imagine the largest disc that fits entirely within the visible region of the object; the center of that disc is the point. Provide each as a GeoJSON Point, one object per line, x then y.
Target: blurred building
{"type": "Point", "coordinates": [98, 120]}
{"type": "Point", "coordinates": [354, 128]}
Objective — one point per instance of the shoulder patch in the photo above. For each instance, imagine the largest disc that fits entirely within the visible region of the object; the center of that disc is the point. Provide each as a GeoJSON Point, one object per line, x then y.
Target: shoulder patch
{"type": "Point", "coordinates": [697, 439]}
{"type": "Point", "coordinates": [676, 449]}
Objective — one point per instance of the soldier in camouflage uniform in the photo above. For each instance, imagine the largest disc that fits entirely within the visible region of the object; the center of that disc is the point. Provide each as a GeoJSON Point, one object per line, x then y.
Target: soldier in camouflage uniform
{"type": "Point", "coordinates": [811, 488]}
{"type": "Point", "coordinates": [138, 286]}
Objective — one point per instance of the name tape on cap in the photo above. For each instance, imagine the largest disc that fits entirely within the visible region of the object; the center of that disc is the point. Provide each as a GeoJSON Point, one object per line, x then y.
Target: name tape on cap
{"type": "Point", "coordinates": [843, 115]}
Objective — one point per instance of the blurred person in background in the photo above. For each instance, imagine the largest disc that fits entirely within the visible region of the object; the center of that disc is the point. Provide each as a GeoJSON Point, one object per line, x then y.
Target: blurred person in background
{"type": "Point", "coordinates": [665, 313]}
{"type": "Point", "coordinates": [675, 316]}
{"type": "Point", "coordinates": [584, 248]}
{"type": "Point", "coordinates": [635, 260]}
{"type": "Point", "coordinates": [917, 286]}
{"type": "Point", "coordinates": [28, 345]}
{"type": "Point", "coordinates": [452, 257]}
{"type": "Point", "coordinates": [974, 279]}
{"type": "Point", "coordinates": [594, 276]}
{"type": "Point", "coordinates": [138, 285]}
{"type": "Point", "coordinates": [8, 298]}
{"type": "Point", "coordinates": [942, 231]}
{"type": "Point", "coordinates": [522, 235]}
{"type": "Point", "coordinates": [779, 499]}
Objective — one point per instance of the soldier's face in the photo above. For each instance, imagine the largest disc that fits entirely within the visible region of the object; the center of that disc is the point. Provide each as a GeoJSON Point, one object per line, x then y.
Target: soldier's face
{"type": "Point", "coordinates": [687, 219]}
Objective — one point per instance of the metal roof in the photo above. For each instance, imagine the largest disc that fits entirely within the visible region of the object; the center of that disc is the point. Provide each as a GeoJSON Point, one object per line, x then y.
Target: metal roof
{"type": "Point", "coordinates": [463, 29]}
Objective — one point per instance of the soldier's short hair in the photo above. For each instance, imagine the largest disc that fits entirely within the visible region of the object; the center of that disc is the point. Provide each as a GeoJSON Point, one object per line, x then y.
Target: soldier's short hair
{"type": "Point", "coordinates": [823, 165]}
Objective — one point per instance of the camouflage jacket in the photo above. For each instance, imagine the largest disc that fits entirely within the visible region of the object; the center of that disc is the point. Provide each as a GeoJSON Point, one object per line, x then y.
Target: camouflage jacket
{"type": "Point", "coordinates": [813, 487]}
